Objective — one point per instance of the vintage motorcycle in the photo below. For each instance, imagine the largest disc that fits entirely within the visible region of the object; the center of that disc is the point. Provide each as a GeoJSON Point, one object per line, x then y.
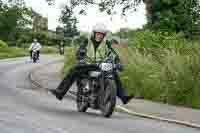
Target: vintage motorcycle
{"type": "Point", "coordinates": [97, 89]}
{"type": "Point", "coordinates": [34, 56]}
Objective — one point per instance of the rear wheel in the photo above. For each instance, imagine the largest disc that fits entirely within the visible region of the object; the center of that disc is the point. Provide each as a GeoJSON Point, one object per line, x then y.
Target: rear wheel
{"type": "Point", "coordinates": [108, 98]}
{"type": "Point", "coordinates": [82, 104]}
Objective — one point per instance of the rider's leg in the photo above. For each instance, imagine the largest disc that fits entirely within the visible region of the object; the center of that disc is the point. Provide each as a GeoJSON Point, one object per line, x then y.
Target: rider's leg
{"type": "Point", "coordinates": [121, 91]}
{"type": "Point", "coordinates": [65, 84]}
{"type": "Point", "coordinates": [70, 77]}
{"type": "Point", "coordinates": [31, 51]}
{"type": "Point", "coordinates": [38, 54]}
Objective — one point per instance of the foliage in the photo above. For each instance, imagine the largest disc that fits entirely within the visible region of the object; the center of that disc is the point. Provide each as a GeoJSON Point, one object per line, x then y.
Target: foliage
{"type": "Point", "coordinates": [14, 17]}
{"type": "Point", "coordinates": [49, 50]}
{"type": "Point", "coordinates": [166, 75]}
{"type": "Point", "coordinates": [69, 21]}
{"type": "Point", "coordinates": [105, 5]}
{"type": "Point", "coordinates": [3, 44]}
{"type": "Point", "coordinates": [156, 39]}
{"type": "Point", "coordinates": [25, 38]}
{"type": "Point", "coordinates": [174, 15]}
{"type": "Point", "coordinates": [70, 59]}
{"type": "Point", "coordinates": [165, 15]}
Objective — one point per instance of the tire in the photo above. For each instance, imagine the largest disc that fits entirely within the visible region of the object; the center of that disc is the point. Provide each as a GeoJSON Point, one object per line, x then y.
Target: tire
{"type": "Point", "coordinates": [34, 60]}
{"type": "Point", "coordinates": [82, 106]}
{"type": "Point", "coordinates": [109, 98]}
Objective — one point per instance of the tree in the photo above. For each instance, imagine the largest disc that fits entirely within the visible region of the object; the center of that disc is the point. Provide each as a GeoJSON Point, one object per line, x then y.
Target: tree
{"type": "Point", "coordinates": [69, 21]}
{"type": "Point", "coordinates": [173, 15]}
{"type": "Point", "coordinates": [14, 17]}
{"type": "Point", "coordinates": [104, 5]}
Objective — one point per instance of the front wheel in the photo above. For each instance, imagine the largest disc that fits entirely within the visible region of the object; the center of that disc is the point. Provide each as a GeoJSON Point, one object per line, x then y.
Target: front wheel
{"type": "Point", "coordinates": [34, 56]}
{"type": "Point", "coordinates": [82, 105]}
{"type": "Point", "coordinates": [108, 99]}
{"type": "Point", "coordinates": [34, 59]}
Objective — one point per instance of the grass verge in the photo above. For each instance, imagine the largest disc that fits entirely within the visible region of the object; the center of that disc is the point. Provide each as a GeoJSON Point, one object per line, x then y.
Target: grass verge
{"type": "Point", "coordinates": [12, 52]}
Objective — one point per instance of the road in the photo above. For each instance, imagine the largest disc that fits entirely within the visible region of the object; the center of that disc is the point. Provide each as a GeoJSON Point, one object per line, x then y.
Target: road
{"type": "Point", "coordinates": [24, 109]}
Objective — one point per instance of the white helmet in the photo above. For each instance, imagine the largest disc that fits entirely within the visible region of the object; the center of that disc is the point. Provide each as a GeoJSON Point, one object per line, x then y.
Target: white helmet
{"type": "Point", "coordinates": [100, 27]}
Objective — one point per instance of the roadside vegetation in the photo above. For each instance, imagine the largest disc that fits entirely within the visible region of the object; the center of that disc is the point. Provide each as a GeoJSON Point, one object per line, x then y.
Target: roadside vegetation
{"type": "Point", "coordinates": [165, 75]}
{"type": "Point", "coordinates": [158, 67]}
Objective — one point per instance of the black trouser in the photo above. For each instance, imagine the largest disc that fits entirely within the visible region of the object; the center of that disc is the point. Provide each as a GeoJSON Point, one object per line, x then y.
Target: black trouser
{"type": "Point", "coordinates": [38, 53]}
{"type": "Point", "coordinates": [75, 72]}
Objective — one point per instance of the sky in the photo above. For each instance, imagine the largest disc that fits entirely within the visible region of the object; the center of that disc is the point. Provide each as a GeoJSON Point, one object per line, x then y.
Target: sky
{"type": "Point", "coordinates": [133, 20]}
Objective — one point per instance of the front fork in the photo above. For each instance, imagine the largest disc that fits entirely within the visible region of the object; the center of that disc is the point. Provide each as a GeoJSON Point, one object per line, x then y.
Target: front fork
{"type": "Point", "coordinates": [101, 98]}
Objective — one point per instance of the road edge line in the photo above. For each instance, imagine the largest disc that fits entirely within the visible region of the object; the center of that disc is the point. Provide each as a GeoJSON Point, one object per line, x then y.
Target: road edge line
{"type": "Point", "coordinates": [188, 124]}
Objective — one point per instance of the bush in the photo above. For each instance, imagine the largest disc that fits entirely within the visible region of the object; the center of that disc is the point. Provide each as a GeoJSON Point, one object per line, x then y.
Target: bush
{"type": "Point", "coordinates": [26, 38]}
{"type": "Point", "coordinates": [151, 39]}
{"type": "Point", "coordinates": [3, 44]}
{"type": "Point", "coordinates": [49, 50]}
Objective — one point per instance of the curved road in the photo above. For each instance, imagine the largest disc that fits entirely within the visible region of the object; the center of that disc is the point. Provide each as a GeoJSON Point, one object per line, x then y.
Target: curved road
{"type": "Point", "coordinates": [26, 110]}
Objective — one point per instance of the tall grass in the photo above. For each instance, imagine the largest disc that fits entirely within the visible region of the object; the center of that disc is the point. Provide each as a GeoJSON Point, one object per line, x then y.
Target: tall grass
{"type": "Point", "coordinates": [166, 75]}
{"type": "Point", "coordinates": [70, 59]}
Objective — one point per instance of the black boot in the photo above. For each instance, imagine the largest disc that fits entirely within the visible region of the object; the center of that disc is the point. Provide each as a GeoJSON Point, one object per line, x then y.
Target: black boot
{"type": "Point", "coordinates": [126, 99]}
{"type": "Point", "coordinates": [55, 93]}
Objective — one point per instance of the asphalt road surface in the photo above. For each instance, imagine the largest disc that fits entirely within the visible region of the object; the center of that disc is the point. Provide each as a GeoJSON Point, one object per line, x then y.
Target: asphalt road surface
{"type": "Point", "coordinates": [27, 110]}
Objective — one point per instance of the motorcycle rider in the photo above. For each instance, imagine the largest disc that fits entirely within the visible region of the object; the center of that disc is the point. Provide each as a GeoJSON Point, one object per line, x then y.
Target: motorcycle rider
{"type": "Point", "coordinates": [94, 47]}
{"type": "Point", "coordinates": [35, 46]}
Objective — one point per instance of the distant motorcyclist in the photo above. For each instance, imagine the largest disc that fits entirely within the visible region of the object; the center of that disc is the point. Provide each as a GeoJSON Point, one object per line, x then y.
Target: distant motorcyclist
{"type": "Point", "coordinates": [35, 46]}
{"type": "Point", "coordinates": [95, 47]}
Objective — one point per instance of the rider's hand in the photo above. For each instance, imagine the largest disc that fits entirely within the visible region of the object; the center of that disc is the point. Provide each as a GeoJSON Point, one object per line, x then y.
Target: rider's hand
{"type": "Point", "coordinates": [119, 67]}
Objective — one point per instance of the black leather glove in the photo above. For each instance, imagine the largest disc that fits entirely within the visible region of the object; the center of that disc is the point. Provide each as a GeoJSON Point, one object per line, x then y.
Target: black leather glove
{"type": "Point", "coordinates": [119, 67]}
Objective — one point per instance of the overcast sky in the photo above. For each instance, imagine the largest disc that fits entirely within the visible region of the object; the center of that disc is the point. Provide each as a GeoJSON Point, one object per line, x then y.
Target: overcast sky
{"type": "Point", "coordinates": [133, 20]}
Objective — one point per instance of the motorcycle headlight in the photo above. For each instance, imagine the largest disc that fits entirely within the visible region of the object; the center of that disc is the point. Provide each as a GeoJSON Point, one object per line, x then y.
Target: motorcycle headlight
{"type": "Point", "coordinates": [106, 66]}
